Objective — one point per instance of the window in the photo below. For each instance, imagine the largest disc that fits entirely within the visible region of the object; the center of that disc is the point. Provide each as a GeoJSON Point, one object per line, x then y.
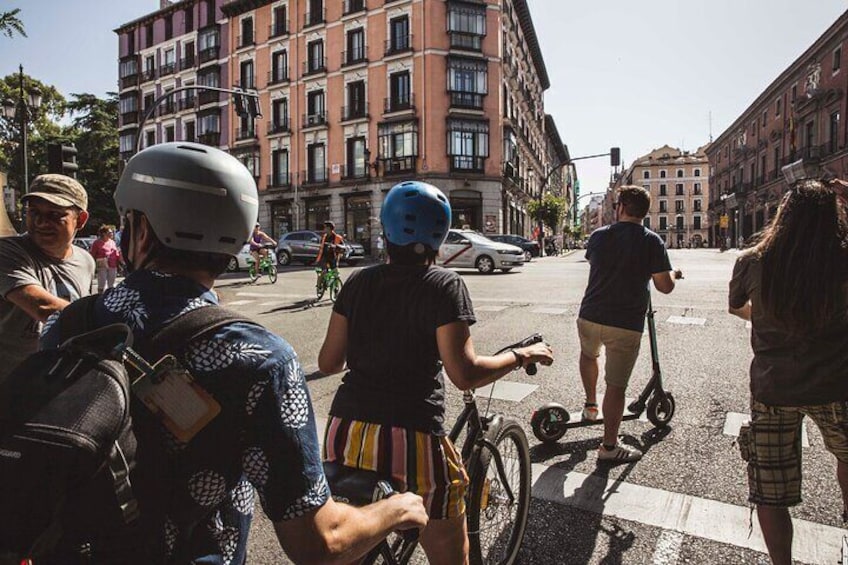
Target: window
{"type": "Point", "coordinates": [279, 67]}
{"type": "Point", "coordinates": [663, 223]}
{"type": "Point", "coordinates": [356, 166]}
{"type": "Point", "coordinates": [810, 134]}
{"type": "Point", "coordinates": [696, 205]}
{"type": "Point", "coordinates": [837, 59]}
{"type": "Point", "coordinates": [210, 12]}
{"type": "Point", "coordinates": [131, 43]}
{"type": "Point", "coordinates": [778, 106]}
{"type": "Point", "coordinates": [148, 101]}
{"type": "Point", "coordinates": [765, 117]}
{"type": "Point", "coordinates": [679, 222]}
{"type": "Point", "coordinates": [190, 133]}
{"type": "Point", "coordinates": [646, 221]}
{"type": "Point", "coordinates": [246, 77]}
{"type": "Point", "coordinates": [663, 206]}
{"type": "Point", "coordinates": [250, 160]}
{"type": "Point", "coordinates": [646, 174]}
{"type": "Point", "coordinates": [696, 189]}
{"type": "Point", "coordinates": [148, 35]}
{"type": "Point", "coordinates": [351, 6]}
{"type": "Point", "coordinates": [355, 47]}
{"type": "Point", "coordinates": [127, 142]}
{"type": "Point", "coordinates": [210, 123]}
{"type": "Point", "coordinates": [169, 62]}
{"type": "Point", "coordinates": [662, 174]}
{"type": "Point", "coordinates": [128, 68]}
{"type": "Point", "coordinates": [188, 55]}
{"type": "Point", "coordinates": [209, 78]}
{"type": "Point", "coordinates": [697, 172]}
{"type": "Point", "coordinates": [794, 94]}
{"type": "Point", "coordinates": [246, 37]}
{"type": "Point", "coordinates": [316, 163]}
{"type": "Point", "coordinates": [149, 67]}
{"type": "Point", "coordinates": [169, 133]}
{"type": "Point", "coordinates": [680, 173]}
{"type": "Point", "coordinates": [678, 206]}
{"type": "Point", "coordinates": [466, 26]}
{"type": "Point", "coordinates": [398, 146]}
{"type": "Point", "coordinates": [663, 190]}
{"type": "Point", "coordinates": [149, 138]}
{"type": "Point", "coordinates": [188, 19]}
{"type": "Point", "coordinates": [696, 222]}
{"type": "Point", "coordinates": [207, 45]}
{"type": "Point", "coordinates": [280, 168]}
{"type": "Point", "coordinates": [280, 115]}
{"type": "Point", "coordinates": [315, 108]}
{"type": "Point", "coordinates": [355, 101]}
{"type": "Point", "coordinates": [678, 189]}
{"type": "Point", "coordinates": [281, 24]}
{"type": "Point", "coordinates": [833, 142]}
{"type": "Point", "coordinates": [400, 94]}
{"type": "Point", "coordinates": [467, 82]}
{"type": "Point", "coordinates": [399, 38]}
{"type": "Point", "coordinates": [468, 145]}
{"type": "Point", "coordinates": [315, 15]}
{"type": "Point", "coordinates": [315, 54]}
{"type": "Point", "coordinates": [169, 26]}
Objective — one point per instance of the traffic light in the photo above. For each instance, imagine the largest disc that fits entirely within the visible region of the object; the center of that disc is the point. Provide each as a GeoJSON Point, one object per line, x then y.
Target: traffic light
{"type": "Point", "coordinates": [62, 159]}
{"type": "Point", "coordinates": [238, 105]}
{"type": "Point", "coordinates": [246, 104]}
{"type": "Point", "coordinates": [253, 108]}
{"type": "Point", "coordinates": [615, 156]}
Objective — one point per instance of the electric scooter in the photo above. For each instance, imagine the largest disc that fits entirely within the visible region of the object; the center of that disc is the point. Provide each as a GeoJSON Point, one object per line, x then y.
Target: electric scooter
{"type": "Point", "coordinates": [551, 421]}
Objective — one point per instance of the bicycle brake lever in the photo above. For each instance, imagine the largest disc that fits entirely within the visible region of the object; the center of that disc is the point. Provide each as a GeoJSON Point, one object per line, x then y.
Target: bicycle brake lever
{"type": "Point", "coordinates": [535, 338]}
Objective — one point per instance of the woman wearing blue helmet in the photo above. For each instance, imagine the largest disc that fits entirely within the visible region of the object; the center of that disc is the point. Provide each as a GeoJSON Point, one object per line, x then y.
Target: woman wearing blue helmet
{"type": "Point", "coordinates": [396, 326]}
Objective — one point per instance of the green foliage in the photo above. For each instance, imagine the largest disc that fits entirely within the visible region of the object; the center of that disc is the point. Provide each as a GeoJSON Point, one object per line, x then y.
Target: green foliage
{"type": "Point", "coordinates": [11, 24]}
{"type": "Point", "coordinates": [550, 211]}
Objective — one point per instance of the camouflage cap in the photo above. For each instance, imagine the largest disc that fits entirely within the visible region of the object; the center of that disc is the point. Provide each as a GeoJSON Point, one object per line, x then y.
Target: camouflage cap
{"type": "Point", "coordinates": [60, 190]}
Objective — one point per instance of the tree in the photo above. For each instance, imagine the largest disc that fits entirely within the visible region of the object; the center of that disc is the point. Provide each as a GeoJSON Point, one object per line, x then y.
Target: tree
{"type": "Point", "coordinates": [10, 23]}
{"type": "Point", "coordinates": [94, 131]}
{"type": "Point", "coordinates": [550, 211]}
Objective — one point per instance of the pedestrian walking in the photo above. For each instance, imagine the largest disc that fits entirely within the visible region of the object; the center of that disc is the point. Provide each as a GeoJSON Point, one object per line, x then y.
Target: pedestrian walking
{"type": "Point", "coordinates": [107, 257]}
{"type": "Point", "coordinates": [793, 288]}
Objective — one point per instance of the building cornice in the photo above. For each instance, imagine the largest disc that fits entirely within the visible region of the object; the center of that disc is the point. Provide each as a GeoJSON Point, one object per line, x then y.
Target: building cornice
{"type": "Point", "coordinates": [237, 7]}
{"type": "Point", "coordinates": [529, 30]}
{"type": "Point", "coordinates": [153, 16]}
{"type": "Point", "coordinates": [553, 134]}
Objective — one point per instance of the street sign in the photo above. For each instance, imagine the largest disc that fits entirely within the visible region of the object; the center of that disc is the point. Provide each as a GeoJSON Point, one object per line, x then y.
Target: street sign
{"type": "Point", "coordinates": [724, 221]}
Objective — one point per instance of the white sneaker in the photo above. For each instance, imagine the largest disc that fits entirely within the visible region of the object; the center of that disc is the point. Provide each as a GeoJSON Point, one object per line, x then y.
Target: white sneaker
{"type": "Point", "coordinates": [590, 412]}
{"type": "Point", "coordinates": [619, 454]}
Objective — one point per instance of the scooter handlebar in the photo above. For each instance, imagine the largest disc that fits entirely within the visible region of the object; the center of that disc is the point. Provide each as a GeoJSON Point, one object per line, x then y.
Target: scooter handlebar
{"type": "Point", "coordinates": [531, 368]}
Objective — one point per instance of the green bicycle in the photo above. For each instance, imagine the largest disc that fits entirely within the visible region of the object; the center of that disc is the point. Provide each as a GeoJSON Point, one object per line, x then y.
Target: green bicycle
{"type": "Point", "coordinates": [266, 266]}
{"type": "Point", "coordinates": [328, 280]}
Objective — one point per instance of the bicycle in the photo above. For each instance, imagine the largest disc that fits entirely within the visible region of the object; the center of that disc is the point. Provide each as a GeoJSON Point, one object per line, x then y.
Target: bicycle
{"type": "Point", "coordinates": [329, 279]}
{"type": "Point", "coordinates": [266, 266]}
{"type": "Point", "coordinates": [496, 455]}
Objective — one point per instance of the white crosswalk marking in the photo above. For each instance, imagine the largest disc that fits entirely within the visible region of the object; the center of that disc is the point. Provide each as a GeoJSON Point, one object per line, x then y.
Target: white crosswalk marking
{"type": "Point", "coordinates": [667, 551]}
{"type": "Point", "coordinates": [490, 308]}
{"type": "Point", "coordinates": [555, 311]}
{"type": "Point", "coordinates": [686, 320]}
{"type": "Point", "coordinates": [239, 302]}
{"type": "Point", "coordinates": [506, 390]}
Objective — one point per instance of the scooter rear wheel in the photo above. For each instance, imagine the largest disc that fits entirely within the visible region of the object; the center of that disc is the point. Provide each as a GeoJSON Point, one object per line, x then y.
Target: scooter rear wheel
{"type": "Point", "coordinates": [549, 422]}
{"type": "Point", "coordinates": [660, 409]}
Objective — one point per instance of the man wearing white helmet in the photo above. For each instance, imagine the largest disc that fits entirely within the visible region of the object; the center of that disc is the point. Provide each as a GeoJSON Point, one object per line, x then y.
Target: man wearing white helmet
{"type": "Point", "coordinates": [264, 438]}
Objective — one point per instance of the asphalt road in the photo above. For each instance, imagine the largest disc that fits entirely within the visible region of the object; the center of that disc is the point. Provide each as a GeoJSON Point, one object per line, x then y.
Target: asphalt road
{"type": "Point", "coordinates": [685, 502]}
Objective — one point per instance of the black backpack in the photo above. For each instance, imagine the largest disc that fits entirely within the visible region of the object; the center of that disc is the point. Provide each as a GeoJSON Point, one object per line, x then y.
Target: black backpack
{"type": "Point", "coordinates": [67, 446]}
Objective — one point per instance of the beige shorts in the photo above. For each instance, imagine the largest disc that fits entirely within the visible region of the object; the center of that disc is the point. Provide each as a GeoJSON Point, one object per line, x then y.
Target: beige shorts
{"type": "Point", "coordinates": [622, 349]}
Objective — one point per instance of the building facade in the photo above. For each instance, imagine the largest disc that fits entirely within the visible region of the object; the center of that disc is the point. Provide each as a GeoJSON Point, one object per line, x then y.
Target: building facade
{"type": "Point", "coordinates": [358, 95]}
{"type": "Point", "coordinates": [797, 118]}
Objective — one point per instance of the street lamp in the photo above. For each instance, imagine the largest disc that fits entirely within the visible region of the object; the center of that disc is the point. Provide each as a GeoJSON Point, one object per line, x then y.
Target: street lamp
{"type": "Point", "coordinates": [24, 107]}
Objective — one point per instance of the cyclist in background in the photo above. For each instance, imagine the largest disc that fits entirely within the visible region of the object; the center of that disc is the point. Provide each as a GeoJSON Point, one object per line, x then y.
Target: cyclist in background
{"type": "Point", "coordinates": [396, 326]}
{"type": "Point", "coordinates": [332, 246]}
{"type": "Point", "coordinates": [257, 240]}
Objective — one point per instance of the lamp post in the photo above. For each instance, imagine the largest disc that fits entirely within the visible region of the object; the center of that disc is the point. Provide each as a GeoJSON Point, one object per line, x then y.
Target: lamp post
{"type": "Point", "coordinates": [27, 103]}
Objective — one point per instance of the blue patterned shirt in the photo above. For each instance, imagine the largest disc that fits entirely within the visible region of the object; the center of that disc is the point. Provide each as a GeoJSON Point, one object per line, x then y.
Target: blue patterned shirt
{"type": "Point", "coordinates": [264, 438]}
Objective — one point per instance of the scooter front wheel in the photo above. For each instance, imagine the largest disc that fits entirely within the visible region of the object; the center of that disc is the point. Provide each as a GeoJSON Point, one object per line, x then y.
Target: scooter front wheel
{"type": "Point", "coordinates": [660, 409]}
{"type": "Point", "coordinates": [549, 422]}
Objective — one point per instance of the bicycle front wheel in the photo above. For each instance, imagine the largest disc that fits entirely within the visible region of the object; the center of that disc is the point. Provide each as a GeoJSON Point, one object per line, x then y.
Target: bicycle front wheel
{"type": "Point", "coordinates": [335, 287]}
{"type": "Point", "coordinates": [319, 288]}
{"type": "Point", "coordinates": [496, 520]}
{"type": "Point", "coordinates": [272, 273]}
{"type": "Point", "coordinates": [252, 273]}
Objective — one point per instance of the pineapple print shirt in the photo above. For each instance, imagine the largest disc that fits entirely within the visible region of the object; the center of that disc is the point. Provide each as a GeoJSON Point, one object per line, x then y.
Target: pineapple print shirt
{"type": "Point", "coordinates": [264, 440]}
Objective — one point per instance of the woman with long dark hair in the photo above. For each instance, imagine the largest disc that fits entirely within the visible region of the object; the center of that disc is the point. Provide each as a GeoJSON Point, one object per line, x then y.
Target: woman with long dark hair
{"type": "Point", "coordinates": [793, 287]}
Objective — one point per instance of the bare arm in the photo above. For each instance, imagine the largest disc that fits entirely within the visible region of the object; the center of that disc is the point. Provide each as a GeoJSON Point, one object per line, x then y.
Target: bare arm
{"type": "Point", "coordinates": [339, 533]}
{"type": "Point", "coordinates": [333, 354]}
{"type": "Point", "coordinates": [744, 312]}
{"type": "Point", "coordinates": [468, 370]}
{"type": "Point", "coordinates": [36, 302]}
{"type": "Point", "coordinates": [664, 281]}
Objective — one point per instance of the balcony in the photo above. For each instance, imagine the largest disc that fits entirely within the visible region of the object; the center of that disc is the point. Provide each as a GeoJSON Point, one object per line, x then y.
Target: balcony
{"type": "Point", "coordinates": [278, 76]}
{"type": "Point", "coordinates": [167, 69]}
{"type": "Point", "coordinates": [244, 134]}
{"type": "Point", "coordinates": [128, 118]}
{"type": "Point", "coordinates": [208, 54]}
{"type": "Point", "coordinates": [278, 29]}
{"type": "Point", "coordinates": [398, 165]}
{"type": "Point", "coordinates": [317, 119]}
{"type": "Point", "coordinates": [314, 66]}
{"type": "Point", "coordinates": [467, 164]}
{"type": "Point", "coordinates": [315, 18]}
{"type": "Point", "coordinates": [355, 112]}
{"type": "Point", "coordinates": [316, 176]}
{"type": "Point", "coordinates": [148, 75]}
{"type": "Point", "coordinates": [187, 103]}
{"type": "Point", "coordinates": [247, 40]}
{"type": "Point", "coordinates": [355, 56]}
{"type": "Point", "coordinates": [399, 104]}
{"type": "Point", "coordinates": [187, 63]}
{"type": "Point", "coordinates": [352, 172]}
{"type": "Point", "coordinates": [210, 138]}
{"type": "Point", "coordinates": [249, 84]}
{"type": "Point", "coordinates": [281, 125]}
{"type": "Point", "coordinates": [279, 180]}
{"type": "Point", "coordinates": [399, 44]}
{"type": "Point", "coordinates": [167, 107]}
{"type": "Point", "coordinates": [466, 100]}
{"type": "Point", "coordinates": [130, 80]}
{"type": "Point", "coordinates": [466, 41]}
{"type": "Point", "coordinates": [353, 6]}
{"type": "Point", "coordinates": [208, 97]}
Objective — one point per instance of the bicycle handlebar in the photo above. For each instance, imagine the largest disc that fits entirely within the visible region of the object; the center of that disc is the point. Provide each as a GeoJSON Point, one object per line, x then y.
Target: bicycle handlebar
{"type": "Point", "coordinates": [383, 490]}
{"type": "Point", "coordinates": [531, 368]}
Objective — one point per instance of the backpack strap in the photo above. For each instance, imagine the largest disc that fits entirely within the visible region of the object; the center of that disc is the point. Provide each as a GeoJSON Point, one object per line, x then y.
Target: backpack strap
{"type": "Point", "coordinates": [77, 317]}
{"type": "Point", "coordinates": [191, 325]}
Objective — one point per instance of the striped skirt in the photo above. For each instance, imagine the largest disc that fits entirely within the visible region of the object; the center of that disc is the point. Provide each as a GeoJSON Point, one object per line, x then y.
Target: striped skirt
{"type": "Point", "coordinates": [428, 465]}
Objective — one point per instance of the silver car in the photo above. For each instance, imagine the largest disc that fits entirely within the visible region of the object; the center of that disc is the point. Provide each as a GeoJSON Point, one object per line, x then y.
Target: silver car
{"type": "Point", "coordinates": [467, 249]}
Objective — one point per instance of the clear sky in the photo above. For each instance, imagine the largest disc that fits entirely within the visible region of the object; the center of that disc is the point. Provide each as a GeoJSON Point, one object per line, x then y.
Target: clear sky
{"type": "Point", "coordinates": [636, 74]}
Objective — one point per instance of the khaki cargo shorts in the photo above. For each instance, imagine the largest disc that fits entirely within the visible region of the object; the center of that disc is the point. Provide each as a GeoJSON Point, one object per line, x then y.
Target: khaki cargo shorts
{"type": "Point", "coordinates": [771, 444]}
{"type": "Point", "coordinates": [622, 349]}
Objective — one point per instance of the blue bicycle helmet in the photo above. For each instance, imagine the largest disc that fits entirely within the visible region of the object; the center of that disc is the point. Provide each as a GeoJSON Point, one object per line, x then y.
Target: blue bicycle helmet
{"type": "Point", "coordinates": [416, 212]}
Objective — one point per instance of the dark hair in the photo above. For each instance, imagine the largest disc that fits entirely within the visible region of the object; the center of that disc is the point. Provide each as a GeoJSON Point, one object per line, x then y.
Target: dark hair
{"type": "Point", "coordinates": [635, 199]}
{"type": "Point", "coordinates": [804, 254]}
{"type": "Point", "coordinates": [411, 254]}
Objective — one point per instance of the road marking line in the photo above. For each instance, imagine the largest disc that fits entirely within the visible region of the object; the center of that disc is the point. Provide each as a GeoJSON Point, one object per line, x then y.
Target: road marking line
{"type": "Point", "coordinates": [557, 311]}
{"type": "Point", "coordinates": [686, 320]}
{"type": "Point", "coordinates": [239, 302]}
{"type": "Point", "coordinates": [734, 420]}
{"type": "Point", "coordinates": [507, 390]}
{"type": "Point", "coordinates": [667, 551]}
{"type": "Point", "coordinates": [689, 515]}
{"type": "Point", "coordinates": [274, 295]}
{"type": "Point", "coordinates": [490, 308]}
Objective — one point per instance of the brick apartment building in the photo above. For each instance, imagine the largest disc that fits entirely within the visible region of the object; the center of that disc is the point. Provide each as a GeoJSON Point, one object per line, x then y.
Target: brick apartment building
{"type": "Point", "coordinates": [797, 117]}
{"type": "Point", "coordinates": [357, 95]}
{"type": "Point", "coordinates": [679, 185]}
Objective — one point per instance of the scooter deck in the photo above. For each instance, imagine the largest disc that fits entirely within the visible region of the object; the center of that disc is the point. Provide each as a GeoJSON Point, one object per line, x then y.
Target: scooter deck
{"type": "Point", "coordinates": [576, 421]}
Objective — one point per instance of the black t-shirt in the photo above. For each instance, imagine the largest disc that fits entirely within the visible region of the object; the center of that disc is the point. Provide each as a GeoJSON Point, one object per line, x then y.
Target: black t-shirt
{"type": "Point", "coordinates": [623, 256]}
{"type": "Point", "coordinates": [395, 375]}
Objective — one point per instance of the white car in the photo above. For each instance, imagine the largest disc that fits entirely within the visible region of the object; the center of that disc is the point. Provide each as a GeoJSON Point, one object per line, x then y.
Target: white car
{"type": "Point", "coordinates": [467, 249]}
{"type": "Point", "coordinates": [240, 261]}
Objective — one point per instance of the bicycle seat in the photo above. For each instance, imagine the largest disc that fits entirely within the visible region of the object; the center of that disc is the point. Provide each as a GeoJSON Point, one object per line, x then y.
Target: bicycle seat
{"type": "Point", "coordinates": [355, 486]}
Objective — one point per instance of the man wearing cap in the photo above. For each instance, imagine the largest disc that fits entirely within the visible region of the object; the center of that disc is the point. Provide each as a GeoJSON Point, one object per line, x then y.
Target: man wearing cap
{"type": "Point", "coordinates": [42, 271]}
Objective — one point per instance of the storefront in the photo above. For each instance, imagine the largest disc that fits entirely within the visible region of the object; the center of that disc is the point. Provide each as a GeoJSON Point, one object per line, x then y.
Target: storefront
{"type": "Point", "coordinates": [358, 220]}
{"type": "Point", "coordinates": [317, 212]}
{"type": "Point", "coordinates": [467, 208]}
{"type": "Point", "coordinates": [281, 218]}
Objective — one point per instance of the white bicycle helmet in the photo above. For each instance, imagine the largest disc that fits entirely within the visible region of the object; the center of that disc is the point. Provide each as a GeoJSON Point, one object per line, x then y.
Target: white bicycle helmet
{"type": "Point", "coordinates": [196, 197]}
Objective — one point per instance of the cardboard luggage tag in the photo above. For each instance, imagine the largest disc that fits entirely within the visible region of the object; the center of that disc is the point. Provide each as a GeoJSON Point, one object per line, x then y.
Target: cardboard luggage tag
{"type": "Point", "coordinates": [172, 395]}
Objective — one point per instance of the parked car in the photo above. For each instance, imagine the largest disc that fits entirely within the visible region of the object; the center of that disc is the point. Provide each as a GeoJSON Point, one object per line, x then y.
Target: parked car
{"type": "Point", "coordinates": [85, 242]}
{"type": "Point", "coordinates": [469, 249]}
{"type": "Point", "coordinates": [530, 247]}
{"type": "Point", "coordinates": [240, 261]}
{"type": "Point", "coordinates": [303, 246]}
